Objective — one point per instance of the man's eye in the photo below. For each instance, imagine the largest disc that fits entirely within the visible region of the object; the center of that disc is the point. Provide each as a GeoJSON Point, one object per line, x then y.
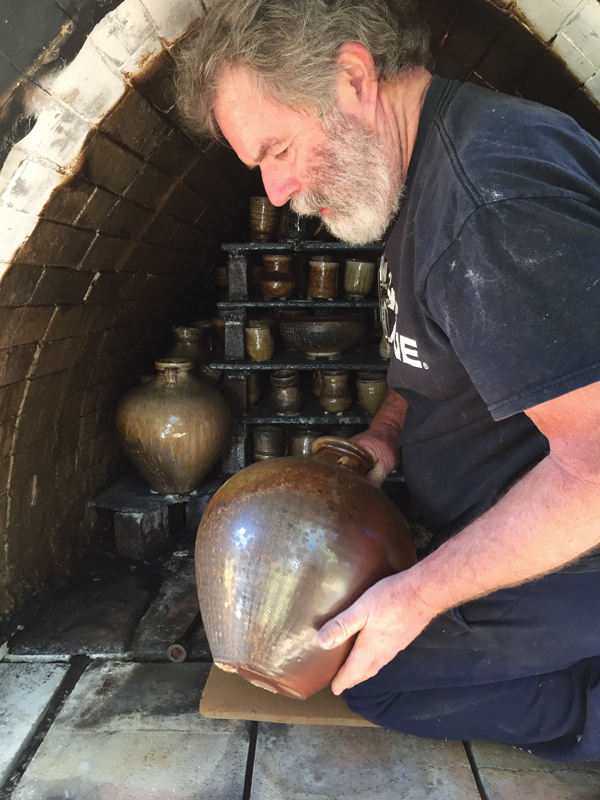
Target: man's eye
{"type": "Point", "coordinates": [283, 153]}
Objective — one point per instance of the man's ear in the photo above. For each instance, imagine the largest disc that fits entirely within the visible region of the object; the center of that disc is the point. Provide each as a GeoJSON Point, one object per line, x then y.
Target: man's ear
{"type": "Point", "coordinates": [357, 78]}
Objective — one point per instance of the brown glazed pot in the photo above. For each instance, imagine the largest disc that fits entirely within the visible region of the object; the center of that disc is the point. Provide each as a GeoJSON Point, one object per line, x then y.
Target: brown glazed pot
{"type": "Point", "coordinates": [286, 398]}
{"type": "Point", "coordinates": [192, 344]}
{"type": "Point", "coordinates": [335, 395]}
{"type": "Point", "coordinates": [173, 428]}
{"type": "Point", "coordinates": [278, 279]}
{"type": "Point", "coordinates": [372, 389]}
{"type": "Point", "coordinates": [284, 546]}
{"type": "Point", "coordinates": [323, 336]}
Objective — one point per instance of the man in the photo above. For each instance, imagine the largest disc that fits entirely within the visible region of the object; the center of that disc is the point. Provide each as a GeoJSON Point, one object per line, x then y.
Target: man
{"type": "Point", "coordinates": [493, 210]}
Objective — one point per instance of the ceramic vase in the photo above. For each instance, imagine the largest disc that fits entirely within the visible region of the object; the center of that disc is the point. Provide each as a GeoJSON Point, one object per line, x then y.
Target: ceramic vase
{"type": "Point", "coordinates": [335, 395]}
{"type": "Point", "coordinates": [322, 280]}
{"type": "Point", "coordinates": [259, 340]}
{"type": "Point", "coordinates": [285, 545]}
{"type": "Point", "coordinates": [372, 389]}
{"type": "Point", "coordinates": [358, 278]}
{"type": "Point", "coordinates": [174, 427]}
{"type": "Point", "coordinates": [263, 218]}
{"type": "Point", "coordinates": [287, 399]}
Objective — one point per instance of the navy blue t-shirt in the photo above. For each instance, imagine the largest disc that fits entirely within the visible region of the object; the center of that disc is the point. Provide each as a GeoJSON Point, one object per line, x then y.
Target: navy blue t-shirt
{"type": "Point", "coordinates": [494, 276]}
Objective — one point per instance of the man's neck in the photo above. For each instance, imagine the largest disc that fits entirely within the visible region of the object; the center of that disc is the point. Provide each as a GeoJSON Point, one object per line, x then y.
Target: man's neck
{"type": "Point", "coordinates": [399, 109]}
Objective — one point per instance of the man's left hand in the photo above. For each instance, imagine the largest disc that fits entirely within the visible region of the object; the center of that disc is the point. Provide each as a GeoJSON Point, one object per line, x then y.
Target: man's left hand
{"type": "Point", "coordinates": [387, 617]}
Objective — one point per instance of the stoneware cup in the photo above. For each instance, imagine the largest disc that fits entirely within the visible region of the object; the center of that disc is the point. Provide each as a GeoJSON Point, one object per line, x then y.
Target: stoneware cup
{"type": "Point", "coordinates": [358, 278]}
{"type": "Point", "coordinates": [372, 390]}
{"type": "Point", "coordinates": [322, 280]}
{"type": "Point", "coordinates": [335, 396]}
{"type": "Point", "coordinates": [301, 441]}
{"type": "Point", "coordinates": [259, 340]}
{"type": "Point", "coordinates": [253, 392]}
{"type": "Point", "coordinates": [268, 442]}
{"type": "Point", "coordinates": [263, 218]}
{"type": "Point", "coordinates": [287, 399]}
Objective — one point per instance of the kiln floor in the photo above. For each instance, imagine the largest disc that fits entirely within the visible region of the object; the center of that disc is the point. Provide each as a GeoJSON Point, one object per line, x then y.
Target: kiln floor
{"type": "Point", "coordinates": [90, 709]}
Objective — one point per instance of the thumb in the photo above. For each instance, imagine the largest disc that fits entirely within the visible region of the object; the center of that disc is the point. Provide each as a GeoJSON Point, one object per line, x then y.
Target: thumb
{"type": "Point", "coordinates": [340, 628]}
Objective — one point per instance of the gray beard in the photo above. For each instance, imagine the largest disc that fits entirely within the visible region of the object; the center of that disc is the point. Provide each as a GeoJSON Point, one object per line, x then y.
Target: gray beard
{"type": "Point", "coordinates": [351, 177]}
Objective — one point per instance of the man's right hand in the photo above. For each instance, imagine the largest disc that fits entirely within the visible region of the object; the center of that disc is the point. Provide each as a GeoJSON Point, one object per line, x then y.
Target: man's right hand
{"type": "Point", "coordinates": [384, 451]}
{"type": "Point", "coordinates": [382, 437]}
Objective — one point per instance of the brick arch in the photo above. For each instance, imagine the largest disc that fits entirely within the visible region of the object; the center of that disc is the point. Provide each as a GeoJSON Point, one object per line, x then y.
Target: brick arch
{"type": "Point", "coordinates": [111, 217]}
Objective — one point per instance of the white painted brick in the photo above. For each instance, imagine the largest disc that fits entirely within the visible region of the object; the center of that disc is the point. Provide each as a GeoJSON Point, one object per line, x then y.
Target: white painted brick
{"type": "Point", "coordinates": [124, 31]}
{"type": "Point", "coordinates": [30, 187]}
{"type": "Point", "coordinates": [88, 84]}
{"type": "Point", "coordinates": [142, 58]}
{"type": "Point", "coordinates": [592, 86]}
{"type": "Point", "coordinates": [583, 29]}
{"type": "Point", "coordinates": [545, 17]}
{"type": "Point", "coordinates": [58, 133]}
{"type": "Point", "coordinates": [4, 267]}
{"type": "Point", "coordinates": [579, 65]}
{"type": "Point", "coordinates": [15, 227]}
{"type": "Point", "coordinates": [173, 18]}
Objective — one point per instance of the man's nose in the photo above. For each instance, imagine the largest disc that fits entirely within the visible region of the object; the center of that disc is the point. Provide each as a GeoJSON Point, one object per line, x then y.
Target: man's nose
{"type": "Point", "coordinates": [279, 186]}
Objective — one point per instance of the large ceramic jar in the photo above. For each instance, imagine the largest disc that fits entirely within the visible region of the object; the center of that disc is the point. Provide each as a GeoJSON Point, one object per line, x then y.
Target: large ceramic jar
{"type": "Point", "coordinates": [284, 546]}
{"type": "Point", "coordinates": [173, 428]}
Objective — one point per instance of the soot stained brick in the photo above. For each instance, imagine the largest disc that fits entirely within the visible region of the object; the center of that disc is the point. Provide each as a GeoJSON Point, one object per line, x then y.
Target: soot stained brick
{"type": "Point", "coordinates": [67, 202]}
{"type": "Point", "coordinates": [548, 82]}
{"type": "Point", "coordinates": [42, 20]}
{"type": "Point", "coordinates": [55, 245]}
{"type": "Point", "coordinates": [128, 220]}
{"type": "Point", "coordinates": [512, 54]}
{"type": "Point", "coordinates": [107, 164]}
{"type": "Point", "coordinates": [18, 284]}
{"type": "Point", "coordinates": [97, 209]}
{"type": "Point", "coordinates": [107, 254]}
{"type": "Point", "coordinates": [150, 187]}
{"type": "Point", "coordinates": [58, 355]}
{"type": "Point", "coordinates": [15, 363]}
{"type": "Point", "coordinates": [11, 397]}
{"type": "Point", "coordinates": [175, 156]}
{"type": "Point", "coordinates": [61, 286]}
{"type": "Point", "coordinates": [136, 124]}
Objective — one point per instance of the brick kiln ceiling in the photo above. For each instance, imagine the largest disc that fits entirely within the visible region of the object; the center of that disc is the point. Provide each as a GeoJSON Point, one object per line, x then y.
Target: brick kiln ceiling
{"type": "Point", "coordinates": [110, 217]}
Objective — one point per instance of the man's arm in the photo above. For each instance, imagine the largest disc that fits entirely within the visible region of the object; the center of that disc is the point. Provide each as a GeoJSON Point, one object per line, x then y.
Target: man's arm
{"type": "Point", "coordinates": [383, 435]}
{"type": "Point", "coordinates": [548, 519]}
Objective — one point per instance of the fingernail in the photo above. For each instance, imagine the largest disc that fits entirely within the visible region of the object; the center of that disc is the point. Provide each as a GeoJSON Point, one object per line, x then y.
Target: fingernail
{"type": "Point", "coordinates": [326, 640]}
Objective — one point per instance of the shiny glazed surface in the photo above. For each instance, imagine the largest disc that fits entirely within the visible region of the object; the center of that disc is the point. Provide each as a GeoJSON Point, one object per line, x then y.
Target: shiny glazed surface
{"type": "Point", "coordinates": [323, 335]}
{"type": "Point", "coordinates": [283, 546]}
{"type": "Point", "coordinates": [173, 428]}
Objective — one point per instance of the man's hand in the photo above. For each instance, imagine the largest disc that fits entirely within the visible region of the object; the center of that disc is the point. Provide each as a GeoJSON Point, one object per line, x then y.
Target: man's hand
{"type": "Point", "coordinates": [384, 451]}
{"type": "Point", "coordinates": [387, 617]}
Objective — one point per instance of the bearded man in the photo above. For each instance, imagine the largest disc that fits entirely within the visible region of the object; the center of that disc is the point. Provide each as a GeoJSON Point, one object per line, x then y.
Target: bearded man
{"type": "Point", "coordinates": [490, 207]}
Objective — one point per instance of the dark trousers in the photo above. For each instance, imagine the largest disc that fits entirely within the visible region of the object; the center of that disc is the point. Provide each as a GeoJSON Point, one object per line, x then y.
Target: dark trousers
{"type": "Point", "coordinates": [520, 667]}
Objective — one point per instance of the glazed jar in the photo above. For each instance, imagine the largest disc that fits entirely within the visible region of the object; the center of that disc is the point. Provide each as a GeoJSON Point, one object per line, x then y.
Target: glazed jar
{"type": "Point", "coordinates": [317, 383]}
{"type": "Point", "coordinates": [173, 428]}
{"type": "Point", "coordinates": [284, 546]}
{"type": "Point", "coordinates": [259, 340]}
{"type": "Point", "coordinates": [263, 218]}
{"type": "Point", "coordinates": [322, 280]}
{"type": "Point", "coordinates": [358, 278]}
{"type": "Point", "coordinates": [278, 278]}
{"type": "Point", "coordinates": [372, 389]}
{"type": "Point", "coordinates": [287, 399]}
{"type": "Point", "coordinates": [192, 344]}
{"type": "Point", "coordinates": [335, 395]}
{"type": "Point", "coordinates": [302, 441]}
{"type": "Point", "coordinates": [268, 442]}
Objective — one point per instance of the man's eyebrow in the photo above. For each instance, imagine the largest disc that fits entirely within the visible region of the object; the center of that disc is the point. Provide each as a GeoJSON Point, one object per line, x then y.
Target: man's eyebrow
{"type": "Point", "coordinates": [265, 146]}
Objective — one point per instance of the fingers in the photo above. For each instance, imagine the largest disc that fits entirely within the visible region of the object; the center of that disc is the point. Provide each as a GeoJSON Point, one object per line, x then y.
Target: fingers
{"type": "Point", "coordinates": [340, 628]}
{"type": "Point", "coordinates": [359, 666]}
{"type": "Point", "coordinates": [377, 475]}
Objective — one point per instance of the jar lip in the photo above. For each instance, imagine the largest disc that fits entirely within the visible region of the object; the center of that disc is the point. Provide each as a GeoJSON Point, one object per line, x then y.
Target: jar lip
{"type": "Point", "coordinates": [257, 323]}
{"type": "Point", "coordinates": [371, 376]}
{"type": "Point", "coordinates": [180, 364]}
{"type": "Point", "coordinates": [344, 452]}
{"type": "Point", "coordinates": [284, 373]}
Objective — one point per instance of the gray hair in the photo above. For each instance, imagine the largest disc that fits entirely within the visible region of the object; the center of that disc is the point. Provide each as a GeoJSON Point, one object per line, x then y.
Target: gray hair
{"type": "Point", "coordinates": [291, 45]}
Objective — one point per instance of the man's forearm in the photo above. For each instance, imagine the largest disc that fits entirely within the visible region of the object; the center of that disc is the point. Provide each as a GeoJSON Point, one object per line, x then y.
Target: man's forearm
{"type": "Point", "coordinates": [546, 520]}
{"type": "Point", "coordinates": [389, 420]}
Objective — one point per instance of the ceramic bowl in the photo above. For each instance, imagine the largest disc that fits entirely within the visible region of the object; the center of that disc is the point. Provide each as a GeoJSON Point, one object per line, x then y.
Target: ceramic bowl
{"type": "Point", "coordinates": [323, 336]}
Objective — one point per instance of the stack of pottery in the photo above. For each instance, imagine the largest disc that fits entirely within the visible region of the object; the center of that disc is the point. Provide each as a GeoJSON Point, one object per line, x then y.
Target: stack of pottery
{"type": "Point", "coordinates": [285, 545]}
{"type": "Point", "coordinates": [287, 398]}
{"type": "Point", "coordinates": [278, 279]}
{"type": "Point", "coordinates": [173, 428]}
{"type": "Point", "coordinates": [263, 218]}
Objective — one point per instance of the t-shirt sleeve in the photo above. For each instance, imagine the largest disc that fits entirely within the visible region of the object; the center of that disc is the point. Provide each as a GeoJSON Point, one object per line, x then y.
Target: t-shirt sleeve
{"type": "Point", "coordinates": [518, 295]}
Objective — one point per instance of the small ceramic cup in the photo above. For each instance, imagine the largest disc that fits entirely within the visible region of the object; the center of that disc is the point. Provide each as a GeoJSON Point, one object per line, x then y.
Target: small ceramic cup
{"type": "Point", "coordinates": [259, 340]}
{"type": "Point", "coordinates": [358, 278]}
{"type": "Point", "coordinates": [372, 390]}
{"type": "Point", "coordinates": [301, 441]}
{"type": "Point", "coordinates": [263, 218]}
{"type": "Point", "coordinates": [268, 442]}
{"type": "Point", "coordinates": [287, 399]}
{"type": "Point", "coordinates": [253, 392]}
{"type": "Point", "coordinates": [322, 280]}
{"type": "Point", "coordinates": [335, 396]}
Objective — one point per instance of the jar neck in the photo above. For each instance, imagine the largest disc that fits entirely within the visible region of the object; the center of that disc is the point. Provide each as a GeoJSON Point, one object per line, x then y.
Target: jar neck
{"type": "Point", "coordinates": [344, 453]}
